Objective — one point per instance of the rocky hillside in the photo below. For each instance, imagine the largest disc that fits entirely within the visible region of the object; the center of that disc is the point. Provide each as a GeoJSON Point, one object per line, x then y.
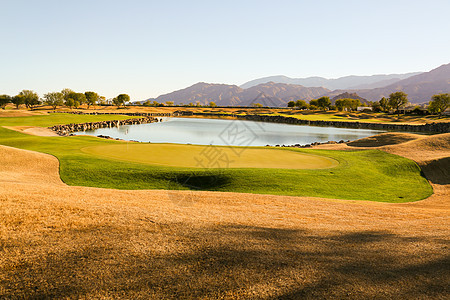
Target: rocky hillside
{"type": "Point", "coordinates": [204, 93]}
{"type": "Point", "coordinates": [419, 88]}
{"type": "Point", "coordinates": [268, 94]}
{"type": "Point", "coordinates": [347, 82]}
{"type": "Point", "coordinates": [347, 95]}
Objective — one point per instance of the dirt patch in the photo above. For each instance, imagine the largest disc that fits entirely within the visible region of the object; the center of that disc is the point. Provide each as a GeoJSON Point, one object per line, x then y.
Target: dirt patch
{"type": "Point", "coordinates": [385, 139]}
{"type": "Point", "coordinates": [32, 130]}
{"type": "Point", "coordinates": [19, 113]}
{"type": "Point", "coordinates": [422, 149]}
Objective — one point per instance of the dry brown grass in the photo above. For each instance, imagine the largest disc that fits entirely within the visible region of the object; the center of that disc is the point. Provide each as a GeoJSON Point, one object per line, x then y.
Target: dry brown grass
{"type": "Point", "coordinates": [77, 242]}
{"type": "Point", "coordinates": [33, 130]}
{"type": "Point", "coordinates": [384, 139]}
{"type": "Point", "coordinates": [20, 113]}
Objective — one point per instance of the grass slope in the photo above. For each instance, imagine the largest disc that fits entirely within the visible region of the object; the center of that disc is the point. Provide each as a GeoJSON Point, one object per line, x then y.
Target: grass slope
{"type": "Point", "coordinates": [56, 119]}
{"type": "Point", "coordinates": [361, 175]}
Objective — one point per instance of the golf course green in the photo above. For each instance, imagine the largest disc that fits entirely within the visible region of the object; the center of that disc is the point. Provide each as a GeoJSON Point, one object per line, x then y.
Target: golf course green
{"type": "Point", "coordinates": [196, 156]}
{"type": "Point", "coordinates": [88, 161]}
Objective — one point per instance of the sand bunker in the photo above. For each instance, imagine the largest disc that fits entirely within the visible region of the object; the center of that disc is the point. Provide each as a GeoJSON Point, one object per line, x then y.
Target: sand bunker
{"type": "Point", "coordinates": [32, 130]}
{"type": "Point", "coordinates": [20, 113]}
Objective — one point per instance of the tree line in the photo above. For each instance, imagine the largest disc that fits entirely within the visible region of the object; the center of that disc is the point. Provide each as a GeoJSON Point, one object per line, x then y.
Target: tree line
{"type": "Point", "coordinates": [71, 99]}
{"type": "Point", "coordinates": [324, 103]}
{"type": "Point", "coordinates": [66, 97]}
{"type": "Point", "coordinates": [171, 103]}
{"type": "Point", "coordinates": [438, 104]}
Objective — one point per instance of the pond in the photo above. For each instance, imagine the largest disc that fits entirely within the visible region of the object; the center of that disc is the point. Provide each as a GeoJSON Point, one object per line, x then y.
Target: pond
{"type": "Point", "coordinates": [229, 132]}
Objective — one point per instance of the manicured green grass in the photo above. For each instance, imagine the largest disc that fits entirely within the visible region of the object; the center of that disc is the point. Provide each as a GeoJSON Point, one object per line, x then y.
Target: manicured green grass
{"type": "Point", "coordinates": [55, 119]}
{"type": "Point", "coordinates": [369, 117]}
{"type": "Point", "coordinates": [197, 156]}
{"type": "Point", "coordinates": [361, 175]}
{"type": "Point", "coordinates": [343, 117]}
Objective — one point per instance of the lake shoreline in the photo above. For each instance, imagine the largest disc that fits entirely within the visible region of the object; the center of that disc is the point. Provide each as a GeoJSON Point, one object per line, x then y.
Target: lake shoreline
{"type": "Point", "coordinates": [435, 127]}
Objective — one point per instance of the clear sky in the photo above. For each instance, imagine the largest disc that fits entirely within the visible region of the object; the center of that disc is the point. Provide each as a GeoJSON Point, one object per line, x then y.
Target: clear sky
{"type": "Point", "coordinates": [147, 48]}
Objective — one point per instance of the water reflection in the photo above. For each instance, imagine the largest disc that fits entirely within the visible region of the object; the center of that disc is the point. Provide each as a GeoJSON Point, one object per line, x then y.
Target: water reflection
{"type": "Point", "coordinates": [229, 132]}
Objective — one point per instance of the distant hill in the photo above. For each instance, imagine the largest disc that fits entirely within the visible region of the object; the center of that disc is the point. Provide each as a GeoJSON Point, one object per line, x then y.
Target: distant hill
{"type": "Point", "coordinates": [347, 95]}
{"type": "Point", "coordinates": [419, 88]}
{"type": "Point", "coordinates": [204, 93]}
{"type": "Point", "coordinates": [347, 82]}
{"type": "Point", "coordinates": [268, 94]}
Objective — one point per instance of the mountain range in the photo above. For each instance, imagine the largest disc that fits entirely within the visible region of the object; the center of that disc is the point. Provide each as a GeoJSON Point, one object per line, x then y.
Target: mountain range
{"type": "Point", "coordinates": [347, 82]}
{"type": "Point", "coordinates": [419, 87]}
{"type": "Point", "coordinates": [268, 94]}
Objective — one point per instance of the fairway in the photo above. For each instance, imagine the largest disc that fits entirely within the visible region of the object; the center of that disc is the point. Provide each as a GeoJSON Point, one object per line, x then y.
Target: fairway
{"type": "Point", "coordinates": [194, 156]}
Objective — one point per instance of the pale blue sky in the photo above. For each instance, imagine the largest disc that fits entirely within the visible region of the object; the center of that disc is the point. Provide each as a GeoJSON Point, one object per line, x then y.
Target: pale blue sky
{"type": "Point", "coordinates": [147, 48]}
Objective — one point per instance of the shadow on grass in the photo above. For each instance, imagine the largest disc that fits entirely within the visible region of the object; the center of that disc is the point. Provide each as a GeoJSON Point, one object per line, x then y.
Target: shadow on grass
{"type": "Point", "coordinates": [437, 171]}
{"type": "Point", "coordinates": [199, 181]}
{"type": "Point", "coordinates": [233, 262]}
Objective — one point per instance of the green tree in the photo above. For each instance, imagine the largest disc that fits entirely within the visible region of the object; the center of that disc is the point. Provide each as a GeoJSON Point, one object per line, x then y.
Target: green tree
{"type": "Point", "coordinates": [66, 93]}
{"type": "Point", "coordinates": [291, 104]}
{"type": "Point", "coordinates": [116, 102]}
{"type": "Point", "coordinates": [73, 99]}
{"type": "Point", "coordinates": [54, 99]}
{"type": "Point", "coordinates": [4, 99]}
{"type": "Point", "coordinates": [439, 103]}
{"type": "Point", "coordinates": [301, 104]}
{"type": "Point", "coordinates": [18, 100]}
{"type": "Point", "coordinates": [91, 98]}
{"type": "Point", "coordinates": [376, 106]}
{"type": "Point", "coordinates": [324, 102]}
{"type": "Point", "coordinates": [69, 102]}
{"type": "Point", "coordinates": [340, 104]}
{"type": "Point", "coordinates": [31, 99]}
{"type": "Point", "coordinates": [123, 99]}
{"type": "Point", "coordinates": [313, 104]}
{"type": "Point", "coordinates": [347, 104]}
{"type": "Point", "coordinates": [417, 111]}
{"type": "Point", "coordinates": [384, 104]}
{"type": "Point", "coordinates": [354, 103]}
{"type": "Point", "coordinates": [78, 99]}
{"type": "Point", "coordinates": [169, 103]}
{"type": "Point", "coordinates": [212, 104]}
{"type": "Point", "coordinates": [257, 105]}
{"type": "Point", "coordinates": [101, 100]}
{"type": "Point", "coordinates": [397, 100]}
